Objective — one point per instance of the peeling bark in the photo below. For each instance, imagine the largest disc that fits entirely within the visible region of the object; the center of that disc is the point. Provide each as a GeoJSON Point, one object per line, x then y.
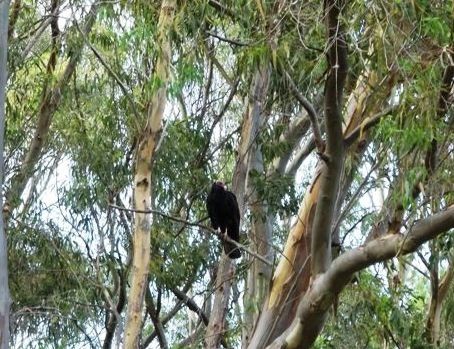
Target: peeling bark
{"type": "Point", "coordinates": [295, 262]}
{"type": "Point", "coordinates": [314, 306]}
{"type": "Point", "coordinates": [259, 274]}
{"type": "Point", "coordinates": [292, 274]}
{"type": "Point", "coordinates": [142, 180]}
{"type": "Point", "coordinates": [291, 277]}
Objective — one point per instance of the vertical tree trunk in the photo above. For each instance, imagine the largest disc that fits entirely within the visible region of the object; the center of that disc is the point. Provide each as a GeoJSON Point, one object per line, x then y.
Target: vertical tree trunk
{"type": "Point", "coordinates": [439, 291]}
{"type": "Point", "coordinates": [216, 325]}
{"type": "Point", "coordinates": [333, 163]}
{"type": "Point", "coordinates": [142, 179]}
{"type": "Point", "coordinates": [5, 300]}
{"type": "Point", "coordinates": [259, 89]}
{"type": "Point", "coordinates": [259, 274]}
{"type": "Point", "coordinates": [291, 275]}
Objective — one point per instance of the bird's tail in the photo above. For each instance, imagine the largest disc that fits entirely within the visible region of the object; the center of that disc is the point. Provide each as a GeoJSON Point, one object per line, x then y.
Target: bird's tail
{"type": "Point", "coordinates": [231, 250]}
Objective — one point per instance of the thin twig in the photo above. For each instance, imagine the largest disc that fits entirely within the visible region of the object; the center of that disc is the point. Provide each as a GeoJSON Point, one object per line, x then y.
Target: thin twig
{"type": "Point", "coordinates": [230, 41]}
{"type": "Point", "coordinates": [423, 260]}
{"type": "Point", "coordinates": [111, 72]}
{"type": "Point", "coordinates": [189, 302]}
{"type": "Point", "coordinates": [310, 111]}
{"type": "Point", "coordinates": [415, 267]}
{"type": "Point", "coordinates": [221, 69]}
{"type": "Point", "coordinates": [365, 125]}
{"type": "Point", "coordinates": [198, 224]}
{"type": "Point", "coordinates": [287, 298]}
{"type": "Point", "coordinates": [355, 196]}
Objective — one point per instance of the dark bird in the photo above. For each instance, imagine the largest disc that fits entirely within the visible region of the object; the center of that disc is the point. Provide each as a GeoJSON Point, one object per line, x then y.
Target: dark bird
{"type": "Point", "coordinates": [224, 213]}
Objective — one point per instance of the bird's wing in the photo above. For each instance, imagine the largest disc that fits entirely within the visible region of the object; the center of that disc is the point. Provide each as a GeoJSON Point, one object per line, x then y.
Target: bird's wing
{"type": "Point", "coordinates": [233, 223]}
{"type": "Point", "coordinates": [210, 202]}
{"type": "Point", "coordinates": [232, 205]}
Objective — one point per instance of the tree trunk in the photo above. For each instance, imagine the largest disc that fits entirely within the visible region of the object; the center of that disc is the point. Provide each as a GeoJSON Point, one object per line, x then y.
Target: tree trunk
{"type": "Point", "coordinates": [291, 277]}
{"type": "Point", "coordinates": [439, 291]}
{"type": "Point", "coordinates": [250, 128]}
{"type": "Point", "coordinates": [5, 298]}
{"type": "Point", "coordinates": [311, 311]}
{"type": "Point", "coordinates": [259, 274]}
{"type": "Point", "coordinates": [142, 179]}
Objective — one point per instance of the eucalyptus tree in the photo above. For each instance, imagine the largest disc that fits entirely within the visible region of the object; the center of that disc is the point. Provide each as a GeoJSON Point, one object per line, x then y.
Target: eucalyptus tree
{"type": "Point", "coordinates": [340, 106]}
{"type": "Point", "coordinates": [45, 48]}
{"type": "Point", "coordinates": [370, 100]}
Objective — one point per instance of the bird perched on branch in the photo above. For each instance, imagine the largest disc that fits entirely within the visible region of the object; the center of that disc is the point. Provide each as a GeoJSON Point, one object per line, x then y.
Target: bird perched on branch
{"type": "Point", "coordinates": [224, 213]}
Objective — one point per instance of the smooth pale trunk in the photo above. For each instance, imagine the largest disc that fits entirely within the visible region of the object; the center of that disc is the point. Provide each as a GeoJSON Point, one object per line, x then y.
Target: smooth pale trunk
{"type": "Point", "coordinates": [5, 299]}
{"type": "Point", "coordinates": [142, 180]}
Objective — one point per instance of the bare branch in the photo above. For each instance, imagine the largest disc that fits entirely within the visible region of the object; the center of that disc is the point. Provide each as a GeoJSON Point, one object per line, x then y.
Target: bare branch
{"type": "Point", "coordinates": [115, 310]}
{"type": "Point", "coordinates": [221, 69]}
{"type": "Point", "coordinates": [111, 72]}
{"type": "Point", "coordinates": [159, 328]}
{"type": "Point", "coordinates": [198, 224]}
{"type": "Point", "coordinates": [230, 41]}
{"type": "Point", "coordinates": [389, 245]}
{"type": "Point", "coordinates": [355, 196]}
{"type": "Point", "coordinates": [367, 124]}
{"type": "Point", "coordinates": [191, 304]}
{"type": "Point", "coordinates": [166, 318]}
{"type": "Point", "coordinates": [291, 136]}
{"type": "Point", "coordinates": [310, 111]}
{"type": "Point", "coordinates": [300, 156]}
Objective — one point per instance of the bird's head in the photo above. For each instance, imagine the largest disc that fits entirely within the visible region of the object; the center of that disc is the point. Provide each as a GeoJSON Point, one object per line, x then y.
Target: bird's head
{"type": "Point", "coordinates": [219, 185]}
